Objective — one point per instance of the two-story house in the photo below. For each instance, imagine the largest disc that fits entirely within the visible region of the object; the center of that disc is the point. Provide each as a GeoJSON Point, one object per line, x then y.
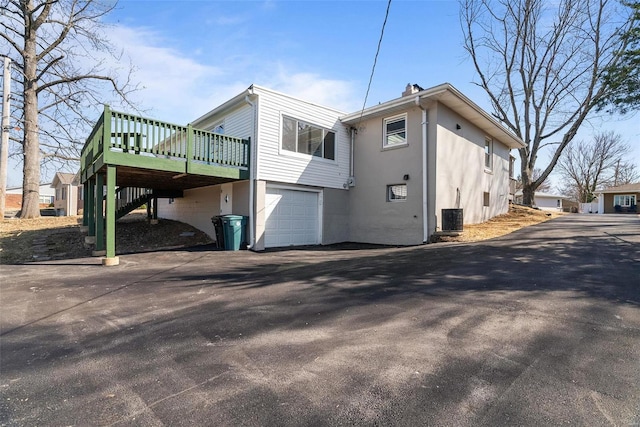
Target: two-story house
{"type": "Point", "coordinates": [305, 174]}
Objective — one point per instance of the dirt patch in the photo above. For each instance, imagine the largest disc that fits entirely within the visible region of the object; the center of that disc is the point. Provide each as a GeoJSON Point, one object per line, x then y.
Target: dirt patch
{"type": "Point", "coordinates": [518, 217]}
{"type": "Point", "coordinates": [45, 238]}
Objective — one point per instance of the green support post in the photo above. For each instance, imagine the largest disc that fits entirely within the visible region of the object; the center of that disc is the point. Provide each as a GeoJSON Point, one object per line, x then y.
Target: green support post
{"type": "Point", "coordinates": [85, 203]}
{"type": "Point", "coordinates": [106, 133]}
{"type": "Point", "coordinates": [111, 258]}
{"type": "Point", "coordinates": [189, 152]}
{"type": "Point", "coordinates": [90, 213]}
{"type": "Point", "coordinates": [155, 208]}
{"type": "Point", "coordinates": [99, 248]}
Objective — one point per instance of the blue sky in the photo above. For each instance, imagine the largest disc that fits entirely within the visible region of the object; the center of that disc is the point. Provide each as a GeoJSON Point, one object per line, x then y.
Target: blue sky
{"type": "Point", "coordinates": [191, 56]}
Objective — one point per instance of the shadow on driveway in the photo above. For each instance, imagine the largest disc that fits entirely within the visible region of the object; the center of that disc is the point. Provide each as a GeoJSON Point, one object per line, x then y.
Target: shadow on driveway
{"type": "Point", "coordinates": [540, 327]}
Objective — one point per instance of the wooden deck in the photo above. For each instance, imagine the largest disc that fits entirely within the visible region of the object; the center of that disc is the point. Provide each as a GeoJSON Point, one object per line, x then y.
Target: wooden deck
{"type": "Point", "coordinates": [128, 151]}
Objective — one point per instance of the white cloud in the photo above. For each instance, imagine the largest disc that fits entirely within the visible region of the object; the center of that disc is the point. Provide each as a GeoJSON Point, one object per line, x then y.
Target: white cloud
{"type": "Point", "coordinates": [172, 82]}
{"type": "Point", "coordinates": [179, 88]}
{"type": "Point", "coordinates": [338, 94]}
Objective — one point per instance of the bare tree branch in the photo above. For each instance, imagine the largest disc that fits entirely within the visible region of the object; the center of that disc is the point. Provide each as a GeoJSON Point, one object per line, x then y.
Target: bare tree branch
{"type": "Point", "coordinates": [540, 64]}
{"type": "Point", "coordinates": [60, 55]}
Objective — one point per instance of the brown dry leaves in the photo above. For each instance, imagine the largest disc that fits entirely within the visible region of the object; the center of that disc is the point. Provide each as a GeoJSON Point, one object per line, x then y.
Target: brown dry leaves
{"type": "Point", "coordinates": [25, 240]}
{"type": "Point", "coordinates": [518, 217]}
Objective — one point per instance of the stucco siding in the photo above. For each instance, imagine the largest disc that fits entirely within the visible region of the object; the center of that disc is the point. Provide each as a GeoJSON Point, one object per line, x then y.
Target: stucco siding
{"type": "Point", "coordinates": [335, 216]}
{"type": "Point", "coordinates": [200, 204]}
{"type": "Point", "coordinates": [276, 164]}
{"type": "Point", "coordinates": [196, 208]}
{"type": "Point", "coordinates": [461, 176]}
{"type": "Point", "coordinates": [373, 219]}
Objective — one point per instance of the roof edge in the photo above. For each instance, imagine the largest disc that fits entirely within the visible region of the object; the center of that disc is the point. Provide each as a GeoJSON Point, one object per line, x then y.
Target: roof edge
{"type": "Point", "coordinates": [429, 94]}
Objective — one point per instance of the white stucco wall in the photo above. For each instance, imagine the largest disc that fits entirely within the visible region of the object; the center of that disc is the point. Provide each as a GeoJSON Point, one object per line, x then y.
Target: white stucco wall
{"type": "Point", "coordinates": [373, 219]}
{"type": "Point", "coordinates": [200, 204]}
{"type": "Point", "coordinates": [461, 176]}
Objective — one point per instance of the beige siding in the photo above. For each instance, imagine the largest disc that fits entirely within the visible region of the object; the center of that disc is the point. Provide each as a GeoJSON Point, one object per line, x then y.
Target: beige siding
{"type": "Point", "coordinates": [461, 176]}
{"type": "Point", "coordinates": [372, 218]}
{"type": "Point", "coordinates": [279, 165]}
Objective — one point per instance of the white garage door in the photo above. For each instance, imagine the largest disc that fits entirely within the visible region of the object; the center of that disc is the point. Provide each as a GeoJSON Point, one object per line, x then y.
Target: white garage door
{"type": "Point", "coordinates": [291, 218]}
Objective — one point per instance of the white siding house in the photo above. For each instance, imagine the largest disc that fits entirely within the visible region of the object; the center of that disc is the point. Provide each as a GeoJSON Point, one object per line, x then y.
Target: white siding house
{"type": "Point", "coordinates": [320, 176]}
{"type": "Point", "coordinates": [544, 201]}
{"type": "Point", "coordinates": [294, 184]}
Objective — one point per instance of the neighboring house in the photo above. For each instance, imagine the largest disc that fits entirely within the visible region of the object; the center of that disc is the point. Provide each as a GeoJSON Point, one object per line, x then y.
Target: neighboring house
{"type": "Point", "coordinates": [305, 174]}
{"type": "Point", "coordinates": [14, 196]}
{"type": "Point", "coordinates": [544, 201]}
{"type": "Point", "coordinates": [67, 193]}
{"type": "Point", "coordinates": [620, 199]}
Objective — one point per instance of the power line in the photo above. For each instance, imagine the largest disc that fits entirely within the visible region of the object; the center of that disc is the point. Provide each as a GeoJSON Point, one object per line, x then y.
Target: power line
{"type": "Point", "coordinates": [375, 61]}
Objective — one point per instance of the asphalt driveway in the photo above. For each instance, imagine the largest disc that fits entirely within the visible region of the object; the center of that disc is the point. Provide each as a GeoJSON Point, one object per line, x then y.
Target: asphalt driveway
{"type": "Point", "coordinates": [541, 327]}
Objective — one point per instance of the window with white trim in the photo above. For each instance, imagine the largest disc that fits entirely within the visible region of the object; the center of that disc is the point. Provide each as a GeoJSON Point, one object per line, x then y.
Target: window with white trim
{"type": "Point", "coordinates": [396, 193]}
{"type": "Point", "coordinates": [624, 200]}
{"type": "Point", "coordinates": [305, 138]}
{"type": "Point", "coordinates": [488, 153]}
{"type": "Point", "coordinates": [395, 131]}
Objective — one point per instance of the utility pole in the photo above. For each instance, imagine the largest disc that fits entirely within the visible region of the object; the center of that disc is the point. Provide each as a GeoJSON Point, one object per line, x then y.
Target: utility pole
{"type": "Point", "coordinates": [4, 149]}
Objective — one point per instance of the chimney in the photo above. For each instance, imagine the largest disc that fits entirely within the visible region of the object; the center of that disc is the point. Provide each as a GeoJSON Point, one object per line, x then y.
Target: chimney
{"type": "Point", "coordinates": [411, 89]}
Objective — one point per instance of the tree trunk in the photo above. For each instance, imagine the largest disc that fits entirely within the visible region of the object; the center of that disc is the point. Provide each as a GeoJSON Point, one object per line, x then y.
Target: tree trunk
{"type": "Point", "coordinates": [526, 175]}
{"type": "Point", "coordinates": [527, 194]}
{"type": "Point", "coordinates": [31, 145]}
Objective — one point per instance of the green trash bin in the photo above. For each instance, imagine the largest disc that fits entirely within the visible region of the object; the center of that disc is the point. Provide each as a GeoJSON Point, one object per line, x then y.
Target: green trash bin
{"type": "Point", "coordinates": [233, 228]}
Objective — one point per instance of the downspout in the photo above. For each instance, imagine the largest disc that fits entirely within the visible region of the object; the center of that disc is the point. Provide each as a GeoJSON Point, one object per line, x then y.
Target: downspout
{"type": "Point", "coordinates": [351, 163]}
{"type": "Point", "coordinates": [252, 169]}
{"type": "Point", "coordinates": [425, 195]}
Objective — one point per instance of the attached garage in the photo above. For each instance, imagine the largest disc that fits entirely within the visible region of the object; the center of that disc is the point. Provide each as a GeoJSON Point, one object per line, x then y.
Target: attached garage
{"type": "Point", "coordinates": [292, 217]}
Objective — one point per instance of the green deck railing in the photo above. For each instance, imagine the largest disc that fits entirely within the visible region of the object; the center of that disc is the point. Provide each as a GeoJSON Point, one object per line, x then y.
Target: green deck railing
{"type": "Point", "coordinates": [129, 140]}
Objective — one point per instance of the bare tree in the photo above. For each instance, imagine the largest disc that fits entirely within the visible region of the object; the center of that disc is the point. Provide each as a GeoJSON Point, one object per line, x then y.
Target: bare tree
{"type": "Point", "coordinates": [586, 166]}
{"type": "Point", "coordinates": [541, 63]}
{"type": "Point", "coordinates": [60, 53]}
{"type": "Point", "coordinates": [625, 172]}
{"type": "Point", "coordinates": [545, 185]}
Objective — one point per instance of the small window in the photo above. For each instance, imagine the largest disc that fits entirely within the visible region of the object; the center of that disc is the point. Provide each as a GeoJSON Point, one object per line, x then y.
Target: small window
{"type": "Point", "coordinates": [486, 199]}
{"type": "Point", "coordinates": [396, 193]}
{"type": "Point", "coordinates": [488, 154]}
{"type": "Point", "coordinates": [558, 203]}
{"type": "Point", "coordinates": [395, 131]}
{"type": "Point", "coordinates": [305, 138]}
{"type": "Point", "coordinates": [219, 128]}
